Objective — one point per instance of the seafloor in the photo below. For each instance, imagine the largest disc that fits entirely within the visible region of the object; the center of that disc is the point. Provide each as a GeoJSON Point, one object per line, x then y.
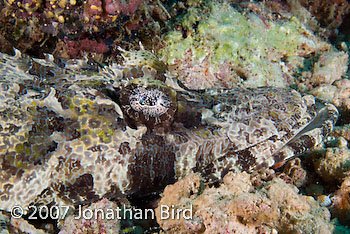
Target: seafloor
{"type": "Point", "coordinates": [133, 105]}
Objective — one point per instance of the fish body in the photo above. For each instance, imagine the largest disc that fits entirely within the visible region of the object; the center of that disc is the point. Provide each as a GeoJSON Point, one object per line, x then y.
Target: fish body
{"type": "Point", "coordinates": [78, 137]}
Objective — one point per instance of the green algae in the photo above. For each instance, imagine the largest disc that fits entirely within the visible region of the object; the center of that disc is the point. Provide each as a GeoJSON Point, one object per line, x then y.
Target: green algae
{"type": "Point", "coordinates": [246, 40]}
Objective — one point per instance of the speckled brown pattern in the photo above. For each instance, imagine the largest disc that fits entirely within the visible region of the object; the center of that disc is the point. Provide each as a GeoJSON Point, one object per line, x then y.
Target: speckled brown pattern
{"type": "Point", "coordinates": [75, 135]}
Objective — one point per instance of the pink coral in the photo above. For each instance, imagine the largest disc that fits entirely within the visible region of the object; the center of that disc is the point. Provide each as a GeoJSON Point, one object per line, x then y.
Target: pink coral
{"type": "Point", "coordinates": [131, 6]}
{"type": "Point", "coordinates": [114, 7]}
{"type": "Point", "coordinates": [76, 48]}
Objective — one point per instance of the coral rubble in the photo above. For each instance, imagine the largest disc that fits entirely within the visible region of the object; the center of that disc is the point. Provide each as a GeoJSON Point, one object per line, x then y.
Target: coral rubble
{"type": "Point", "coordinates": [95, 221]}
{"type": "Point", "coordinates": [237, 207]}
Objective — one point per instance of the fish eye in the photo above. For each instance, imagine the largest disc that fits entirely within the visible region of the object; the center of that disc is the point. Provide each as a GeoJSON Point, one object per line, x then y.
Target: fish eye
{"type": "Point", "coordinates": [150, 105]}
{"type": "Point", "coordinates": [150, 102]}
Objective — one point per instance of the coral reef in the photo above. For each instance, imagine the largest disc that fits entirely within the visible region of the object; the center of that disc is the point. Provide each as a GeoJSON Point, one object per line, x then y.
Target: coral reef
{"type": "Point", "coordinates": [118, 121]}
{"type": "Point", "coordinates": [326, 80]}
{"type": "Point", "coordinates": [341, 131]}
{"type": "Point", "coordinates": [293, 173]}
{"type": "Point", "coordinates": [329, 177]}
{"type": "Point", "coordinates": [76, 28]}
{"type": "Point", "coordinates": [237, 207]}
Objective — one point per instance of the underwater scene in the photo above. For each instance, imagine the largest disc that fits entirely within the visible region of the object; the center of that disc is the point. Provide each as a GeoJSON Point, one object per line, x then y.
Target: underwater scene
{"type": "Point", "coordinates": [174, 116]}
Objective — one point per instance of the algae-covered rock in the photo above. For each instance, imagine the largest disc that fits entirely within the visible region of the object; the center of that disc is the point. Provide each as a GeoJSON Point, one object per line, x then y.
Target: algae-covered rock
{"type": "Point", "coordinates": [329, 68]}
{"type": "Point", "coordinates": [240, 47]}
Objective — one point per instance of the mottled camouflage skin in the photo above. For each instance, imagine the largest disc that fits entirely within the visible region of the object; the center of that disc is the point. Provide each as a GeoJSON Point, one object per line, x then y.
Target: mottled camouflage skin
{"type": "Point", "coordinates": [78, 132]}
